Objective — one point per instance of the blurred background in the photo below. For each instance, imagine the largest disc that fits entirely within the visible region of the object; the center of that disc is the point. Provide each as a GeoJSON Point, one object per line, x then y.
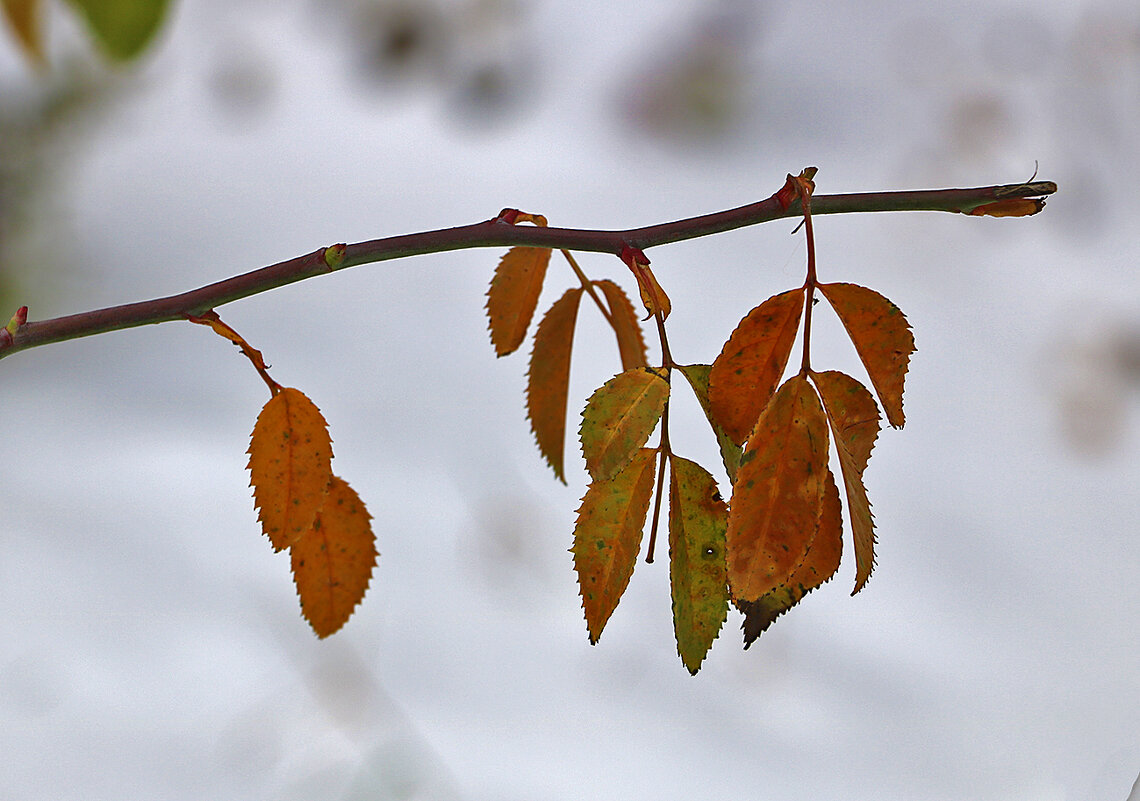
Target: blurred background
{"type": "Point", "coordinates": [152, 643]}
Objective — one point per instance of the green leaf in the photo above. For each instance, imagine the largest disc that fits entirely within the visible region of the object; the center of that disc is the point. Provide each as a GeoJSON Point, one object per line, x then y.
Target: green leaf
{"type": "Point", "coordinates": [619, 417]}
{"type": "Point", "coordinates": [123, 28]}
{"type": "Point", "coordinates": [607, 537]}
{"type": "Point", "coordinates": [698, 375]}
{"type": "Point", "coordinates": [698, 518]}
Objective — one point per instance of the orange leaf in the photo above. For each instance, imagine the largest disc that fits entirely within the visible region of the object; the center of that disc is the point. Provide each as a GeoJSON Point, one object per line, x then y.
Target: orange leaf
{"type": "Point", "coordinates": [778, 492]}
{"type": "Point", "coordinates": [653, 297]}
{"type": "Point", "coordinates": [333, 561]}
{"type": "Point", "coordinates": [818, 565]}
{"type": "Point", "coordinates": [619, 417]}
{"type": "Point", "coordinates": [854, 422]}
{"type": "Point", "coordinates": [607, 537]}
{"type": "Point", "coordinates": [883, 338]}
{"type": "Point", "coordinates": [730, 452]}
{"type": "Point", "coordinates": [290, 457]}
{"type": "Point", "coordinates": [631, 343]}
{"type": "Point", "coordinates": [750, 365]}
{"type": "Point", "coordinates": [24, 18]}
{"type": "Point", "coordinates": [513, 295]}
{"type": "Point", "coordinates": [548, 378]}
{"type": "Point", "coordinates": [697, 573]}
{"type": "Point", "coordinates": [1010, 207]}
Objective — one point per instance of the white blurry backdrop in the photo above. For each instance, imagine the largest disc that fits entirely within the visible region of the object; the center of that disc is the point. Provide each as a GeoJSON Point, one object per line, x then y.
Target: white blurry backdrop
{"type": "Point", "coordinates": [152, 645]}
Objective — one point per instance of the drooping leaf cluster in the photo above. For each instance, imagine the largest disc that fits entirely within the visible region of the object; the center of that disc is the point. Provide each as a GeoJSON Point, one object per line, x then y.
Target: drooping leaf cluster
{"type": "Point", "coordinates": [780, 534]}
{"type": "Point", "coordinates": [302, 505]}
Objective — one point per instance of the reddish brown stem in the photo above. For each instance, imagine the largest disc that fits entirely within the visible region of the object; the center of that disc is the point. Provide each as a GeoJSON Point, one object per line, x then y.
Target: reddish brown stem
{"type": "Point", "coordinates": [494, 233]}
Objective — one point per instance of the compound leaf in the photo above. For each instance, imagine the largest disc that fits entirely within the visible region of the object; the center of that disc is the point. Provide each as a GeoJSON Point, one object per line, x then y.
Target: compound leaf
{"type": "Point", "coordinates": [607, 537]}
{"type": "Point", "coordinates": [698, 576]}
{"type": "Point", "coordinates": [854, 420]}
{"type": "Point", "coordinates": [513, 295]}
{"type": "Point", "coordinates": [749, 367]}
{"type": "Point", "coordinates": [333, 560]}
{"type": "Point", "coordinates": [698, 376]}
{"type": "Point", "coordinates": [290, 457]}
{"type": "Point", "coordinates": [818, 565]}
{"type": "Point", "coordinates": [627, 329]}
{"type": "Point", "coordinates": [548, 378]}
{"type": "Point", "coordinates": [778, 492]}
{"type": "Point", "coordinates": [882, 337]}
{"type": "Point", "coordinates": [619, 417]}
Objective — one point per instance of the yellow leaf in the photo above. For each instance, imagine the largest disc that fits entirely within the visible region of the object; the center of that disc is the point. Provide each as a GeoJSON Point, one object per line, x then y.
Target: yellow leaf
{"type": "Point", "coordinates": [513, 296]}
{"type": "Point", "coordinates": [619, 417]}
{"type": "Point", "coordinates": [333, 560]}
{"type": "Point", "coordinates": [854, 420]}
{"type": "Point", "coordinates": [818, 565]}
{"type": "Point", "coordinates": [777, 496]}
{"type": "Point", "coordinates": [548, 378]}
{"type": "Point", "coordinates": [24, 17]}
{"type": "Point", "coordinates": [607, 537]}
{"type": "Point", "coordinates": [752, 362]}
{"type": "Point", "coordinates": [697, 573]}
{"type": "Point", "coordinates": [882, 337]}
{"type": "Point", "coordinates": [290, 457]}
{"type": "Point", "coordinates": [627, 329]}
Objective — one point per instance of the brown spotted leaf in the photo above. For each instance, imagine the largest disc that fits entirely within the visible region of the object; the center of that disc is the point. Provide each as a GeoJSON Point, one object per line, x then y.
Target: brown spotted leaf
{"type": "Point", "coordinates": [882, 337]}
{"type": "Point", "coordinates": [778, 493]}
{"type": "Point", "coordinates": [698, 577]}
{"type": "Point", "coordinates": [513, 295]}
{"type": "Point", "coordinates": [698, 376]}
{"type": "Point", "coordinates": [290, 457]}
{"type": "Point", "coordinates": [607, 537]}
{"type": "Point", "coordinates": [548, 378]}
{"type": "Point", "coordinates": [749, 367]}
{"type": "Point", "coordinates": [333, 560]}
{"type": "Point", "coordinates": [627, 329]}
{"type": "Point", "coordinates": [854, 420]}
{"type": "Point", "coordinates": [818, 565]}
{"type": "Point", "coordinates": [619, 417]}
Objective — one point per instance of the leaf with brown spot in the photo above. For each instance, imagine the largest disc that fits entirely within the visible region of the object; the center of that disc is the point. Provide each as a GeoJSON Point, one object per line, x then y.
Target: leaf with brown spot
{"type": "Point", "coordinates": [882, 337]}
{"type": "Point", "coordinates": [818, 565]}
{"type": "Point", "coordinates": [290, 468]}
{"type": "Point", "coordinates": [619, 417]}
{"type": "Point", "coordinates": [778, 493]}
{"type": "Point", "coordinates": [513, 296]}
{"type": "Point", "coordinates": [730, 452]}
{"type": "Point", "coordinates": [548, 378]}
{"type": "Point", "coordinates": [854, 420]}
{"type": "Point", "coordinates": [333, 561]}
{"type": "Point", "coordinates": [627, 328]}
{"type": "Point", "coordinates": [698, 577]}
{"type": "Point", "coordinates": [752, 361]}
{"type": "Point", "coordinates": [607, 537]}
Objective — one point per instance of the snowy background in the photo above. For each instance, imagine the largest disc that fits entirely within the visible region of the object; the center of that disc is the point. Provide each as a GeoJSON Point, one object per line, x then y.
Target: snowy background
{"type": "Point", "coordinates": [152, 644]}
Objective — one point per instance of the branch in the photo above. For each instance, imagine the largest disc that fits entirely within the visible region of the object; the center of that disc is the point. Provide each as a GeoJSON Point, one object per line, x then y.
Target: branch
{"type": "Point", "coordinates": [1008, 200]}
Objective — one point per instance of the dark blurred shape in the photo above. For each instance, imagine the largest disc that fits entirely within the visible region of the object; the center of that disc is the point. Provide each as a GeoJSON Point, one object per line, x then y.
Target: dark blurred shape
{"type": "Point", "coordinates": [242, 81]}
{"type": "Point", "coordinates": [1097, 376]}
{"type": "Point", "coordinates": [476, 55]}
{"type": "Point", "coordinates": [695, 88]}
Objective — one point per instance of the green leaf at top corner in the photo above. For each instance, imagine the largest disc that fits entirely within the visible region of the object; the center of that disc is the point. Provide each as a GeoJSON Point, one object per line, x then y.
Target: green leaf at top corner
{"type": "Point", "coordinates": [122, 28]}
